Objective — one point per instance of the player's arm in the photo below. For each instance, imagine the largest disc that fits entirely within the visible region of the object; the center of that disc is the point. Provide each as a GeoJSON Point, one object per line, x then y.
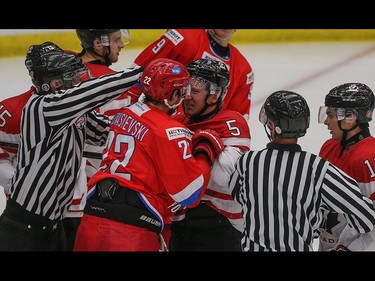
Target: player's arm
{"type": "Point", "coordinates": [65, 108]}
{"type": "Point", "coordinates": [190, 176]}
{"type": "Point", "coordinates": [9, 134]}
{"type": "Point", "coordinates": [169, 45]}
{"type": "Point", "coordinates": [347, 200]}
{"type": "Point", "coordinates": [354, 241]}
{"type": "Point", "coordinates": [236, 140]}
{"type": "Point", "coordinates": [97, 128]}
{"type": "Point", "coordinates": [6, 173]}
{"type": "Point", "coordinates": [241, 96]}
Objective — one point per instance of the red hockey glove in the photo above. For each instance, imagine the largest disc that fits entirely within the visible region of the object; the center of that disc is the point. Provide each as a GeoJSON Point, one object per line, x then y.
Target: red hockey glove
{"type": "Point", "coordinates": [207, 142]}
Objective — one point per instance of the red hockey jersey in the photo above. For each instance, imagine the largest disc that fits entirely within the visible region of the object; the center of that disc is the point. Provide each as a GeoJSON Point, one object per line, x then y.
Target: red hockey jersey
{"type": "Point", "coordinates": [10, 120]}
{"type": "Point", "coordinates": [186, 45]}
{"type": "Point", "coordinates": [358, 162]}
{"type": "Point", "coordinates": [149, 152]}
{"type": "Point", "coordinates": [92, 165]}
{"type": "Point", "coordinates": [234, 131]}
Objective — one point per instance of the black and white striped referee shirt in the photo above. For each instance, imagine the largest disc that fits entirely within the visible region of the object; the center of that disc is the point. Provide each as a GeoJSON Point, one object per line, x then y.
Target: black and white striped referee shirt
{"type": "Point", "coordinates": [54, 128]}
{"type": "Point", "coordinates": [283, 192]}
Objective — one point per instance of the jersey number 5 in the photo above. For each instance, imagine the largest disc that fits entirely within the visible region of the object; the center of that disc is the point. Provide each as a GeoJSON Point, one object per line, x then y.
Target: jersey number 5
{"type": "Point", "coordinates": [3, 121]}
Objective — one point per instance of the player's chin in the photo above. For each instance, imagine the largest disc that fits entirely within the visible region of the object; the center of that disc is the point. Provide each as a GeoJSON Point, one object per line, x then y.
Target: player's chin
{"type": "Point", "coordinates": [190, 109]}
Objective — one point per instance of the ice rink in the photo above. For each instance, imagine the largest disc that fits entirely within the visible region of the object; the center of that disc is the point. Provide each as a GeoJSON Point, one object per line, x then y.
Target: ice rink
{"type": "Point", "coordinates": [310, 69]}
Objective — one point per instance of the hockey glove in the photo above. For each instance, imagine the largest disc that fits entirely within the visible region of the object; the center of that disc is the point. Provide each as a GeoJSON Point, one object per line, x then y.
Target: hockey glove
{"type": "Point", "coordinates": [207, 142]}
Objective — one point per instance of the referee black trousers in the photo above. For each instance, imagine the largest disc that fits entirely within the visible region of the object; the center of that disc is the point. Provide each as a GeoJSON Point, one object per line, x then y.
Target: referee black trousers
{"type": "Point", "coordinates": [19, 233]}
{"type": "Point", "coordinates": [204, 229]}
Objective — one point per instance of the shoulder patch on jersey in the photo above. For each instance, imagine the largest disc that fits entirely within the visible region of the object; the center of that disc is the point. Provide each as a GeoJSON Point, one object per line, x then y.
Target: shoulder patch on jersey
{"type": "Point", "coordinates": [139, 108]}
{"type": "Point", "coordinates": [250, 78]}
{"type": "Point", "coordinates": [174, 36]}
{"type": "Point", "coordinates": [178, 132]}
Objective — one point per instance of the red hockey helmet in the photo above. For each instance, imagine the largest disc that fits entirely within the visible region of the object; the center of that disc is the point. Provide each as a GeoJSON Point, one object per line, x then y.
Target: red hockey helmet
{"type": "Point", "coordinates": [162, 77]}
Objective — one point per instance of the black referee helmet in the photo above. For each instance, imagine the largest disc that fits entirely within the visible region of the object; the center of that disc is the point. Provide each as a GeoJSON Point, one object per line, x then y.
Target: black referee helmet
{"type": "Point", "coordinates": [289, 112]}
{"type": "Point", "coordinates": [55, 65]}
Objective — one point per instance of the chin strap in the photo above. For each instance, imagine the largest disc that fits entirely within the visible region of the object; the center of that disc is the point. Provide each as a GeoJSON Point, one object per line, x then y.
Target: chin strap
{"type": "Point", "coordinates": [199, 118]}
{"type": "Point", "coordinates": [106, 62]}
{"type": "Point", "coordinates": [364, 133]}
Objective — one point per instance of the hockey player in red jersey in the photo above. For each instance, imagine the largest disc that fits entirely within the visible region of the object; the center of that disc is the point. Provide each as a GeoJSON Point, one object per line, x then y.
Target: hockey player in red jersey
{"type": "Point", "coordinates": [348, 109]}
{"type": "Point", "coordinates": [100, 49]}
{"type": "Point", "coordinates": [186, 45]}
{"type": "Point", "coordinates": [217, 222]}
{"type": "Point", "coordinates": [10, 120]}
{"type": "Point", "coordinates": [148, 170]}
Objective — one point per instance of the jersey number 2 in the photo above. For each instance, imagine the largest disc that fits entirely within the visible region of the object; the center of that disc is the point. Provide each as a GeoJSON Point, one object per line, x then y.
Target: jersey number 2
{"type": "Point", "coordinates": [123, 146]}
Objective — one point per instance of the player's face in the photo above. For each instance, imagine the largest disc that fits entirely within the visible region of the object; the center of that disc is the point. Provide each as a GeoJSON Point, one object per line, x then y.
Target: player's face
{"type": "Point", "coordinates": [196, 100]}
{"type": "Point", "coordinates": [118, 40]}
{"type": "Point", "coordinates": [69, 80]}
{"type": "Point", "coordinates": [332, 123]}
{"type": "Point", "coordinates": [56, 85]}
{"type": "Point", "coordinates": [223, 34]}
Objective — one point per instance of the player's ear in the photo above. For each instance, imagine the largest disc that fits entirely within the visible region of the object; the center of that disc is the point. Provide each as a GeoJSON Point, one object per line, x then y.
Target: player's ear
{"type": "Point", "coordinates": [351, 119]}
{"type": "Point", "coordinates": [98, 44]}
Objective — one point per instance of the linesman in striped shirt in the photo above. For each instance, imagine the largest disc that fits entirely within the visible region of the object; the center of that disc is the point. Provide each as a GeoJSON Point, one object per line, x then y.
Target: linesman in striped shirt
{"type": "Point", "coordinates": [284, 190]}
{"type": "Point", "coordinates": [54, 128]}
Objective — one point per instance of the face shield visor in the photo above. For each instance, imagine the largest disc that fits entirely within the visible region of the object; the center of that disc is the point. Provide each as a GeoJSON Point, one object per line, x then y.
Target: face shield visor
{"type": "Point", "coordinates": [199, 85]}
{"type": "Point", "coordinates": [263, 119]}
{"type": "Point", "coordinates": [348, 115]}
{"type": "Point", "coordinates": [67, 80]}
{"type": "Point", "coordinates": [73, 78]}
{"type": "Point", "coordinates": [183, 93]}
{"type": "Point", "coordinates": [125, 37]}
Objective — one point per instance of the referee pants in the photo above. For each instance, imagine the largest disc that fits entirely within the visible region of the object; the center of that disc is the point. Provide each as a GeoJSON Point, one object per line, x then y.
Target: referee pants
{"type": "Point", "coordinates": [204, 229]}
{"type": "Point", "coordinates": [21, 231]}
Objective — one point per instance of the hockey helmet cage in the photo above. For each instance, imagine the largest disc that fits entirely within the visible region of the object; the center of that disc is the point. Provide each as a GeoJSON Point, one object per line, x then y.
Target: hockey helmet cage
{"type": "Point", "coordinates": [213, 72]}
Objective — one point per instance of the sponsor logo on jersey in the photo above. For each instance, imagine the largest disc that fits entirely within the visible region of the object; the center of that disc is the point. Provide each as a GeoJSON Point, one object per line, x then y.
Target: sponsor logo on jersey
{"type": "Point", "coordinates": [178, 132]}
{"type": "Point", "coordinates": [174, 36]}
